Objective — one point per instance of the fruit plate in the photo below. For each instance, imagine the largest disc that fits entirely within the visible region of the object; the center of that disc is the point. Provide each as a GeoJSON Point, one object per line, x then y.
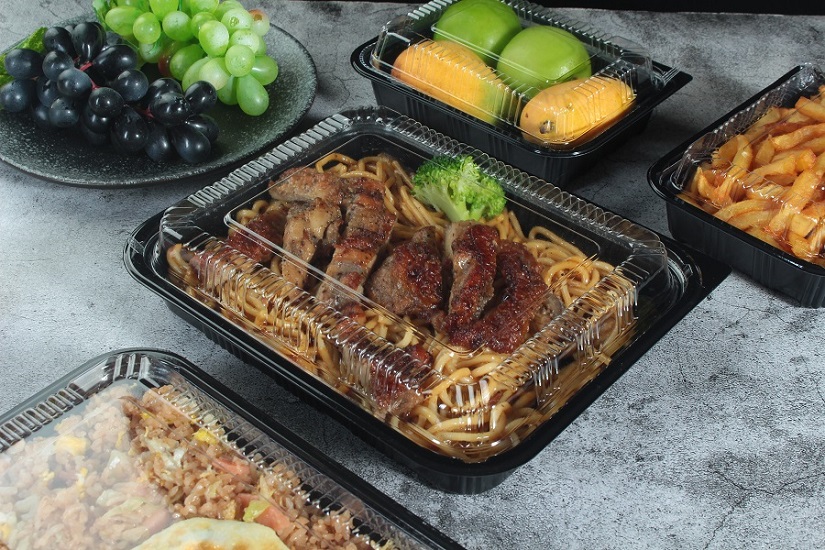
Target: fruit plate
{"type": "Point", "coordinates": [65, 156]}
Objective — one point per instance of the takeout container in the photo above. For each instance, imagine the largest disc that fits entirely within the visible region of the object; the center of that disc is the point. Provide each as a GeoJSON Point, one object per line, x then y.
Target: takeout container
{"type": "Point", "coordinates": [67, 448]}
{"type": "Point", "coordinates": [495, 128]}
{"type": "Point", "coordinates": [372, 377]}
{"type": "Point", "coordinates": [692, 216]}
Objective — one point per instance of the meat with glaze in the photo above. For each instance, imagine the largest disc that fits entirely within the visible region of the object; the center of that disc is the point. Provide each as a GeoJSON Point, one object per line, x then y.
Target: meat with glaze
{"type": "Point", "coordinates": [409, 281]}
{"type": "Point", "coordinates": [307, 184]}
{"type": "Point", "coordinates": [472, 249]}
{"type": "Point", "coordinates": [266, 226]}
{"type": "Point", "coordinates": [311, 229]}
{"type": "Point", "coordinates": [506, 325]}
{"type": "Point", "coordinates": [367, 229]}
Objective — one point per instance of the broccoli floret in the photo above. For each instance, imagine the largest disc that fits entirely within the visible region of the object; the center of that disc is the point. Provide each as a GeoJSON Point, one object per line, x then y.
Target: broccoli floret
{"type": "Point", "coordinates": [457, 187]}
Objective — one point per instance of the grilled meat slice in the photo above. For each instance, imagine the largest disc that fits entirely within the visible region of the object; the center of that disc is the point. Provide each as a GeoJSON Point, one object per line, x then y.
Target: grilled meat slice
{"type": "Point", "coordinates": [266, 226]}
{"type": "Point", "coordinates": [409, 281]}
{"type": "Point", "coordinates": [306, 184]}
{"type": "Point", "coordinates": [367, 229]}
{"type": "Point", "coordinates": [472, 248]}
{"type": "Point", "coordinates": [311, 228]}
{"type": "Point", "coordinates": [506, 325]}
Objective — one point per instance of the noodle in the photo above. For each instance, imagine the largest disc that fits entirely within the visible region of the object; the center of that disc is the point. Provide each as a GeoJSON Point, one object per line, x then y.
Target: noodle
{"type": "Point", "coordinates": [482, 403]}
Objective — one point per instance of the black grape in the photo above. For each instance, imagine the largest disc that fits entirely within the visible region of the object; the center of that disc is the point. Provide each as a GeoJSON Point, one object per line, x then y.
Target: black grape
{"type": "Point", "coordinates": [170, 108]}
{"type": "Point", "coordinates": [201, 96]}
{"type": "Point", "coordinates": [59, 39]}
{"type": "Point", "coordinates": [129, 131]}
{"type": "Point", "coordinates": [87, 39]}
{"type": "Point", "coordinates": [24, 63]}
{"type": "Point", "coordinates": [191, 145]}
{"type": "Point", "coordinates": [55, 63]}
{"type": "Point", "coordinates": [63, 113]}
{"type": "Point", "coordinates": [132, 84]}
{"type": "Point", "coordinates": [74, 83]}
{"type": "Point", "coordinates": [40, 116]}
{"type": "Point", "coordinates": [18, 95]}
{"type": "Point", "coordinates": [158, 87]}
{"type": "Point", "coordinates": [47, 91]}
{"type": "Point", "coordinates": [159, 146]}
{"type": "Point", "coordinates": [115, 59]}
{"type": "Point", "coordinates": [206, 125]}
{"type": "Point", "coordinates": [106, 102]}
{"type": "Point", "coordinates": [95, 122]}
{"type": "Point", "coordinates": [89, 79]}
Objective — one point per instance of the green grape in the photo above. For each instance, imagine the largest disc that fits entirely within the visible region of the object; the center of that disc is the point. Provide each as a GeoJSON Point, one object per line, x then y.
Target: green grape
{"type": "Point", "coordinates": [176, 26]}
{"type": "Point", "coordinates": [146, 28]}
{"type": "Point", "coordinates": [161, 7]}
{"type": "Point", "coordinates": [192, 73]}
{"type": "Point", "coordinates": [150, 53]}
{"type": "Point", "coordinates": [228, 94]}
{"type": "Point", "coordinates": [121, 19]}
{"type": "Point", "coordinates": [265, 70]}
{"type": "Point", "coordinates": [202, 6]}
{"type": "Point", "coordinates": [197, 21]}
{"type": "Point", "coordinates": [237, 19]}
{"type": "Point", "coordinates": [214, 71]}
{"type": "Point", "coordinates": [246, 37]}
{"type": "Point", "coordinates": [183, 59]}
{"type": "Point", "coordinates": [239, 60]}
{"type": "Point", "coordinates": [225, 6]}
{"type": "Point", "coordinates": [252, 96]}
{"type": "Point", "coordinates": [214, 38]}
{"type": "Point", "coordinates": [142, 5]}
{"type": "Point", "coordinates": [260, 22]}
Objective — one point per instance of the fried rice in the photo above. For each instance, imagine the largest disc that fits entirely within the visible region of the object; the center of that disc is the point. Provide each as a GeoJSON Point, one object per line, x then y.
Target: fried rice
{"type": "Point", "coordinates": [118, 470]}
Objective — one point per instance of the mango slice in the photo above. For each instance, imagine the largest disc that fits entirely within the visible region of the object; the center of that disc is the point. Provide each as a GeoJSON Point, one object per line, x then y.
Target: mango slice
{"type": "Point", "coordinates": [453, 73]}
{"type": "Point", "coordinates": [565, 112]}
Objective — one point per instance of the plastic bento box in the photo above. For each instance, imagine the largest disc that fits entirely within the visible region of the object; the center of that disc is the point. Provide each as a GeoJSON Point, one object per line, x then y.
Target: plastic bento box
{"type": "Point", "coordinates": [139, 448]}
{"type": "Point", "coordinates": [748, 188]}
{"type": "Point", "coordinates": [607, 94]}
{"type": "Point", "coordinates": [573, 294]}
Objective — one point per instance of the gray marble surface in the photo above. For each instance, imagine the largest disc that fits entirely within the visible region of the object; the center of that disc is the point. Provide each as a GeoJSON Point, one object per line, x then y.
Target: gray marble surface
{"type": "Point", "coordinates": [713, 439]}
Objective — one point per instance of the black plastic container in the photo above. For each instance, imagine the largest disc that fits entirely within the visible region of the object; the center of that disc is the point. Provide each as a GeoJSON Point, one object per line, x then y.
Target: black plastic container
{"type": "Point", "coordinates": [697, 227]}
{"type": "Point", "coordinates": [500, 135]}
{"type": "Point", "coordinates": [564, 377]}
{"type": "Point", "coordinates": [66, 416]}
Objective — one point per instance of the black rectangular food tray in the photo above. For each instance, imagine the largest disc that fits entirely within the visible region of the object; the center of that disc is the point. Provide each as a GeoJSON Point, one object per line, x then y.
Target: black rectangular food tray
{"type": "Point", "coordinates": [97, 374]}
{"type": "Point", "coordinates": [556, 166]}
{"type": "Point", "coordinates": [765, 264]}
{"type": "Point", "coordinates": [698, 275]}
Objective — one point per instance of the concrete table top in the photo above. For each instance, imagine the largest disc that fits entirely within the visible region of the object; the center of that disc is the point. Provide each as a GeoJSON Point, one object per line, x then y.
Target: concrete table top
{"type": "Point", "coordinates": [715, 438]}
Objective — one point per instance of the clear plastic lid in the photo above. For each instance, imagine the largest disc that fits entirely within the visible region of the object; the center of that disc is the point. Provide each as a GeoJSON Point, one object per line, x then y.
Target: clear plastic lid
{"type": "Point", "coordinates": [763, 169]}
{"type": "Point", "coordinates": [137, 449]}
{"type": "Point", "coordinates": [518, 66]}
{"type": "Point", "coordinates": [550, 282]}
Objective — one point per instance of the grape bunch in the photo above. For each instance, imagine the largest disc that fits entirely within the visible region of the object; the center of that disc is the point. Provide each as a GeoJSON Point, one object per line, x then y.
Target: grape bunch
{"type": "Point", "coordinates": [220, 42]}
{"type": "Point", "coordinates": [90, 80]}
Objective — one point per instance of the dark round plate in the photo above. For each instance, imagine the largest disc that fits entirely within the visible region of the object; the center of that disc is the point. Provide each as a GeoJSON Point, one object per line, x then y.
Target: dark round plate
{"type": "Point", "coordinates": [65, 157]}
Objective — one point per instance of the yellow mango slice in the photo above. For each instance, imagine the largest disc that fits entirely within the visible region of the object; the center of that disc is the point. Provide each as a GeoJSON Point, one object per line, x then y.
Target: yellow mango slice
{"type": "Point", "coordinates": [456, 75]}
{"type": "Point", "coordinates": [564, 112]}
